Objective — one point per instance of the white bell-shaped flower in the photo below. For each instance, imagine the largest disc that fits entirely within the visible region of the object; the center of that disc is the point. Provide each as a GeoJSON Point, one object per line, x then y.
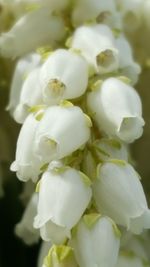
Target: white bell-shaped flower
{"type": "Point", "coordinates": [128, 259]}
{"type": "Point", "coordinates": [41, 24]}
{"type": "Point", "coordinates": [119, 194]}
{"type": "Point", "coordinates": [24, 66]}
{"type": "Point", "coordinates": [44, 249]}
{"type": "Point", "coordinates": [86, 10]}
{"type": "Point", "coordinates": [64, 75]}
{"type": "Point", "coordinates": [107, 149]}
{"type": "Point", "coordinates": [27, 165]}
{"type": "Point", "coordinates": [127, 65]}
{"type": "Point", "coordinates": [57, 136]}
{"type": "Point", "coordinates": [97, 45]}
{"type": "Point", "coordinates": [26, 101]}
{"type": "Point", "coordinates": [117, 109]}
{"type": "Point", "coordinates": [96, 241]}
{"type": "Point", "coordinates": [24, 229]}
{"type": "Point", "coordinates": [64, 194]}
{"type": "Point", "coordinates": [60, 256]}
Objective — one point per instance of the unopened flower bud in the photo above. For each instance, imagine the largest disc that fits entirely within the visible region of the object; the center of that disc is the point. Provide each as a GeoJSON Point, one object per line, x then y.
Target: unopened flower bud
{"type": "Point", "coordinates": [39, 24]}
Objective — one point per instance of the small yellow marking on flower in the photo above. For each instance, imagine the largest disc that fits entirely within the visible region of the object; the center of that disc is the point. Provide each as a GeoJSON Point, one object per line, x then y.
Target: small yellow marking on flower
{"type": "Point", "coordinates": [66, 104]}
{"type": "Point", "coordinates": [76, 51]}
{"type": "Point", "coordinates": [124, 79]}
{"type": "Point", "coordinates": [36, 108]}
{"type": "Point", "coordinates": [37, 189]}
{"type": "Point", "coordinates": [33, 7]}
{"type": "Point", "coordinates": [39, 116]}
{"type": "Point", "coordinates": [100, 150]}
{"type": "Point", "coordinates": [85, 179]}
{"type": "Point", "coordinates": [115, 228]}
{"type": "Point", "coordinates": [88, 121]}
{"type": "Point", "coordinates": [44, 167]}
{"type": "Point", "coordinates": [91, 219]}
{"type": "Point", "coordinates": [98, 169]}
{"type": "Point", "coordinates": [68, 43]}
{"type": "Point", "coordinates": [118, 162]}
{"type": "Point", "coordinates": [61, 169]}
{"type": "Point", "coordinates": [116, 32]}
{"type": "Point", "coordinates": [57, 254]}
{"type": "Point", "coordinates": [114, 143]}
{"type": "Point", "coordinates": [96, 85]}
{"type": "Point", "coordinates": [44, 52]}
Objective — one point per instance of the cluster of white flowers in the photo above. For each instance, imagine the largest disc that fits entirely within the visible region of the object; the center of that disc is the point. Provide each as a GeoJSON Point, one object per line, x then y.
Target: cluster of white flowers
{"type": "Point", "coordinates": [73, 91]}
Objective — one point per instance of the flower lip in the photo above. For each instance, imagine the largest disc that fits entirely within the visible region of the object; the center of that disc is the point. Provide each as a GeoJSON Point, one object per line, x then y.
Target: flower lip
{"type": "Point", "coordinates": [131, 128]}
{"type": "Point", "coordinates": [56, 87]}
{"type": "Point", "coordinates": [106, 58]}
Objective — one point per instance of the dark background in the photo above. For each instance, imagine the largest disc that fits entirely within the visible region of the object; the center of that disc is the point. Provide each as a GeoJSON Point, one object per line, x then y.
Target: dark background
{"type": "Point", "coordinates": [13, 252]}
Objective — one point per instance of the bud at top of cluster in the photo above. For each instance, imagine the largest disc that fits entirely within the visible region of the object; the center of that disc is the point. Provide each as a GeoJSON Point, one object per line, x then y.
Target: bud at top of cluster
{"type": "Point", "coordinates": [18, 41]}
{"type": "Point", "coordinates": [97, 45]}
{"type": "Point", "coordinates": [131, 11]}
{"type": "Point", "coordinates": [96, 241]}
{"type": "Point", "coordinates": [119, 194]}
{"type": "Point", "coordinates": [116, 107]}
{"type": "Point", "coordinates": [88, 10]}
{"type": "Point", "coordinates": [64, 75]}
{"type": "Point", "coordinates": [53, 138]}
